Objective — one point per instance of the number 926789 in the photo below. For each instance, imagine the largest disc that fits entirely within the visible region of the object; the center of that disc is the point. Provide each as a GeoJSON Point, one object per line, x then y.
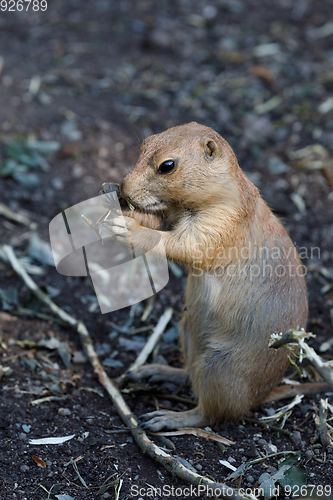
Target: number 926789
{"type": "Point", "coordinates": [23, 5]}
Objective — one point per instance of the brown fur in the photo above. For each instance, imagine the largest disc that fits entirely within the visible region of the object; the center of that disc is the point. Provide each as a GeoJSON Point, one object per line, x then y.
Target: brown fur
{"type": "Point", "coordinates": [211, 218]}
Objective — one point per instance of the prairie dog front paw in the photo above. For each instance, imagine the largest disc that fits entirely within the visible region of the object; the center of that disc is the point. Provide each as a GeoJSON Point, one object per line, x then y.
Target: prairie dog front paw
{"type": "Point", "coordinates": [120, 227]}
{"type": "Point", "coordinates": [128, 232]}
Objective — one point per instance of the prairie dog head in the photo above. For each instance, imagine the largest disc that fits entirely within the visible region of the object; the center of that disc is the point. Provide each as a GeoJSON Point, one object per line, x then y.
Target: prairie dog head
{"type": "Point", "coordinates": [189, 167]}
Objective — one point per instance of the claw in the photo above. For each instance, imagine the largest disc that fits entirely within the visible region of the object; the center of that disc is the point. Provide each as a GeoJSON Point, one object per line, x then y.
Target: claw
{"type": "Point", "coordinates": [110, 187]}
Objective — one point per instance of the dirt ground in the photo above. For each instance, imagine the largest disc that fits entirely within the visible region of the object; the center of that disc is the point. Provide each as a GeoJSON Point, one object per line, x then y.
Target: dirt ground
{"type": "Point", "coordinates": [97, 77]}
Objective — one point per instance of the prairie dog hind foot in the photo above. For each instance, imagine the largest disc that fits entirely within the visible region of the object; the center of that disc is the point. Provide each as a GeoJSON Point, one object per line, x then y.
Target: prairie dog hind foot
{"type": "Point", "coordinates": [158, 373]}
{"type": "Point", "coordinates": [165, 419]}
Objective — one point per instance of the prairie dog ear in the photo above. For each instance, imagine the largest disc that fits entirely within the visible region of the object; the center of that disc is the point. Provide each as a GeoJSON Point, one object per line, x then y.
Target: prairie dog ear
{"type": "Point", "coordinates": [210, 148]}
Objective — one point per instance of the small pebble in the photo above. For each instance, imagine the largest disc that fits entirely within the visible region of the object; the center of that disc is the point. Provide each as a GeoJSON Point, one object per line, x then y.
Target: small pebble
{"type": "Point", "coordinates": [270, 448]}
{"type": "Point", "coordinates": [64, 412]}
{"type": "Point", "coordinates": [57, 183]}
{"type": "Point", "coordinates": [277, 166]}
{"type": "Point", "coordinates": [296, 437]}
{"type": "Point", "coordinates": [262, 442]}
{"type": "Point", "coordinates": [209, 12]}
{"type": "Point", "coordinates": [252, 451]}
{"type": "Point", "coordinates": [24, 468]}
{"type": "Point", "coordinates": [170, 387]}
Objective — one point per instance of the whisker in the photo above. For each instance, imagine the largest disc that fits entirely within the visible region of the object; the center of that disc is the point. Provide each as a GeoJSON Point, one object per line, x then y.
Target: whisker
{"type": "Point", "coordinates": [137, 133]}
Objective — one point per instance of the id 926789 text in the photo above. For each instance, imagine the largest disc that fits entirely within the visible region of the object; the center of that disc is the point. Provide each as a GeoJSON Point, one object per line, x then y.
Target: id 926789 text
{"type": "Point", "coordinates": [23, 5]}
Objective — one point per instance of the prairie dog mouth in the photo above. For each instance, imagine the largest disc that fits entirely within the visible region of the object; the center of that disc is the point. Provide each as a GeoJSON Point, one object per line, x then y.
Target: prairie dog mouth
{"type": "Point", "coordinates": [149, 205]}
{"type": "Point", "coordinates": [113, 187]}
{"type": "Point", "coordinates": [156, 206]}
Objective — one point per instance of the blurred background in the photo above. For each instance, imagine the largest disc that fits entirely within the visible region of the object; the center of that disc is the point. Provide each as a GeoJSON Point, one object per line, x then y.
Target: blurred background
{"type": "Point", "coordinates": [92, 80]}
{"type": "Point", "coordinates": [100, 76]}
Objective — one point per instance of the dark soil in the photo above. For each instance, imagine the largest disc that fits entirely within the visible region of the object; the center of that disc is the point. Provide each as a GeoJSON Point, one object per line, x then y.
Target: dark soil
{"type": "Point", "coordinates": [99, 77]}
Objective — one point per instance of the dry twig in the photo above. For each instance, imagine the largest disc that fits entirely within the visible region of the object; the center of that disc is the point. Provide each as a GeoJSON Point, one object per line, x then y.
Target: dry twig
{"type": "Point", "coordinates": [294, 336]}
{"type": "Point", "coordinates": [289, 391]}
{"type": "Point", "coordinates": [153, 339]}
{"type": "Point", "coordinates": [324, 434]}
{"type": "Point", "coordinates": [16, 217]}
{"type": "Point", "coordinates": [210, 436]}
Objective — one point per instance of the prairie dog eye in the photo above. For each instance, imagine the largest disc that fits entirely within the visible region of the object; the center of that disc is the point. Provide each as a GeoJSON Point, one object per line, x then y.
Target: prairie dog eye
{"type": "Point", "coordinates": [166, 167]}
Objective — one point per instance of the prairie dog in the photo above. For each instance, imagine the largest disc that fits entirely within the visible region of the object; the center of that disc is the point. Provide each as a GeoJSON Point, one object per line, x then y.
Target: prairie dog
{"type": "Point", "coordinates": [245, 280]}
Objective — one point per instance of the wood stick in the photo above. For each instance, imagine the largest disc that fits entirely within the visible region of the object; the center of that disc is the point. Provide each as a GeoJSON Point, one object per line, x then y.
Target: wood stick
{"type": "Point", "coordinates": [153, 339]}
{"type": "Point", "coordinates": [16, 217]}
{"type": "Point", "coordinates": [294, 336]}
{"type": "Point", "coordinates": [290, 391]}
{"type": "Point", "coordinates": [317, 362]}
{"type": "Point", "coordinates": [324, 434]}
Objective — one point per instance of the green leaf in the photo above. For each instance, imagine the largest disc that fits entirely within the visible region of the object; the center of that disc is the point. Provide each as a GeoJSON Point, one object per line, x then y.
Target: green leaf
{"type": "Point", "coordinates": [40, 162]}
{"type": "Point", "coordinates": [51, 291]}
{"type": "Point", "coordinates": [113, 363]}
{"type": "Point", "coordinates": [23, 156]}
{"type": "Point", "coordinates": [40, 250]}
{"type": "Point", "coordinates": [26, 179]}
{"type": "Point", "coordinates": [64, 354]}
{"type": "Point", "coordinates": [26, 159]}
{"type": "Point", "coordinates": [56, 487]}
{"type": "Point", "coordinates": [9, 167]}
{"type": "Point", "coordinates": [14, 149]}
{"type": "Point", "coordinates": [105, 487]}
{"type": "Point", "coordinates": [294, 476]}
{"type": "Point", "coordinates": [267, 484]}
{"type": "Point", "coordinates": [44, 147]}
{"type": "Point", "coordinates": [290, 459]}
{"type": "Point", "coordinates": [9, 297]}
{"type": "Point", "coordinates": [280, 473]}
{"type": "Point", "coordinates": [238, 472]}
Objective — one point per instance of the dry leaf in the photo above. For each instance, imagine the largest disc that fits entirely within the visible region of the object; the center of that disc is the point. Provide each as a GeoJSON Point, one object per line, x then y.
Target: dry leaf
{"type": "Point", "coordinates": [39, 461]}
{"type": "Point", "coordinates": [211, 436]}
{"type": "Point", "coordinates": [312, 157]}
{"type": "Point", "coordinates": [51, 440]}
{"type": "Point", "coordinates": [262, 72]}
{"type": "Point", "coordinates": [328, 173]}
{"type": "Point", "coordinates": [107, 446]}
